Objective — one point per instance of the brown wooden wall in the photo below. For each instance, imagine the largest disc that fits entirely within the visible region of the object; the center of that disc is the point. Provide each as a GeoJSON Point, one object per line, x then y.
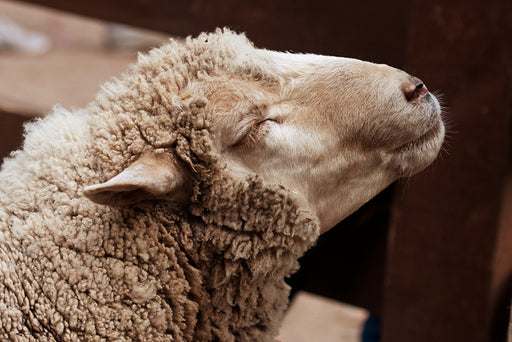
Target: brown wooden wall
{"type": "Point", "coordinates": [446, 228]}
{"type": "Point", "coordinates": [448, 262]}
{"type": "Point", "coordinates": [367, 29]}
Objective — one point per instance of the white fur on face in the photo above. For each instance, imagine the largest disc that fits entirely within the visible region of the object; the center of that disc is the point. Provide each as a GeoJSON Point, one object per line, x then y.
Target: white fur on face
{"type": "Point", "coordinates": [336, 131]}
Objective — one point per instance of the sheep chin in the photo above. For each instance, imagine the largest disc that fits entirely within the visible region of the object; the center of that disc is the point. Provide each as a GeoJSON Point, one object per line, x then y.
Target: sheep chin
{"type": "Point", "coordinates": [416, 155]}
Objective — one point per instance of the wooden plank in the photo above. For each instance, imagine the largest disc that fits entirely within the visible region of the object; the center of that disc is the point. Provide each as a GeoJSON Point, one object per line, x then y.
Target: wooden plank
{"type": "Point", "coordinates": [315, 318]}
{"type": "Point", "coordinates": [445, 225]}
{"type": "Point", "coordinates": [364, 29]}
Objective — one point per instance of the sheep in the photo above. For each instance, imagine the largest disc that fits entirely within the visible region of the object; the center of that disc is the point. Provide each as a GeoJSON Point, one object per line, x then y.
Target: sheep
{"type": "Point", "coordinates": [174, 206]}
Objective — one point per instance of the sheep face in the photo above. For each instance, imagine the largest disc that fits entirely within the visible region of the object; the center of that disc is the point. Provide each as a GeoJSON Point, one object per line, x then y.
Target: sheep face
{"type": "Point", "coordinates": [335, 131]}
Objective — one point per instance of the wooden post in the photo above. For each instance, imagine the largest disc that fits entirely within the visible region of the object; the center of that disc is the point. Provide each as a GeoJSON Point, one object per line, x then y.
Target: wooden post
{"type": "Point", "coordinates": [365, 29]}
{"type": "Point", "coordinates": [443, 244]}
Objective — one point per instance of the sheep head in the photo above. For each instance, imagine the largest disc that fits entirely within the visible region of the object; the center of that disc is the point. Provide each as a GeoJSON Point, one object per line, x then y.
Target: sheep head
{"type": "Point", "coordinates": [333, 131]}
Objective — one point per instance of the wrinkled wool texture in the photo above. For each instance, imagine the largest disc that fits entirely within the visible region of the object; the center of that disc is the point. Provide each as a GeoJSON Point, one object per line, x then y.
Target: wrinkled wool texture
{"type": "Point", "coordinates": [72, 270]}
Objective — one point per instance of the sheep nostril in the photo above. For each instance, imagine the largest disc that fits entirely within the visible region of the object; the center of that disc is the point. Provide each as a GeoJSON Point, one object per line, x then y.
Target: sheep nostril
{"type": "Point", "coordinates": [414, 91]}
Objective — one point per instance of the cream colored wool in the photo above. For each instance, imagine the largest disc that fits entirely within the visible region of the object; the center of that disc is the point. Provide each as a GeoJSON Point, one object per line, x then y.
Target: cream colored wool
{"type": "Point", "coordinates": [72, 270]}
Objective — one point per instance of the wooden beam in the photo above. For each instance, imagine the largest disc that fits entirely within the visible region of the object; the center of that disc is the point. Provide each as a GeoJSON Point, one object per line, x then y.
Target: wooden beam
{"type": "Point", "coordinates": [363, 29]}
{"type": "Point", "coordinates": [446, 222]}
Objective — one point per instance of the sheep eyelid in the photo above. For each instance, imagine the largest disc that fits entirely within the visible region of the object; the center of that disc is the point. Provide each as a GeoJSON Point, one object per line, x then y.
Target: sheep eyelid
{"type": "Point", "coordinates": [251, 135]}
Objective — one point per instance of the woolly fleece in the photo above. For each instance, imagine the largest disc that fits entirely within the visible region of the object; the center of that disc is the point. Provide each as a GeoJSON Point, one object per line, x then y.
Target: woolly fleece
{"type": "Point", "coordinates": [72, 270]}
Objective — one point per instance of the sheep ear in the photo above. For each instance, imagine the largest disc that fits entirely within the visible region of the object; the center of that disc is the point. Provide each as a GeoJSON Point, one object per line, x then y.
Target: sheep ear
{"type": "Point", "coordinates": [151, 177]}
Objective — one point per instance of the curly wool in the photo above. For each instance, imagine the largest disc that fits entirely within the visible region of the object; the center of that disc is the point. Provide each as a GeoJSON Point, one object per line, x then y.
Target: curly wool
{"type": "Point", "coordinates": [71, 270]}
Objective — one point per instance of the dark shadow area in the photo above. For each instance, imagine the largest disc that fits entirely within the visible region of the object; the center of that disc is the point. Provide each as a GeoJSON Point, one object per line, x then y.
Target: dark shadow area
{"type": "Point", "coordinates": [11, 132]}
{"type": "Point", "coordinates": [348, 262]}
{"type": "Point", "coordinates": [501, 315]}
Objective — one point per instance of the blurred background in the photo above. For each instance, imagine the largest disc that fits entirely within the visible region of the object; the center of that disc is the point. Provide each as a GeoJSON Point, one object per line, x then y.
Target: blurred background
{"type": "Point", "coordinates": [430, 258]}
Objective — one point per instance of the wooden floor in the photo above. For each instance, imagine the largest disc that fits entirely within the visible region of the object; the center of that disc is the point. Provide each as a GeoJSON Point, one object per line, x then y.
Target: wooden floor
{"type": "Point", "coordinates": [314, 318]}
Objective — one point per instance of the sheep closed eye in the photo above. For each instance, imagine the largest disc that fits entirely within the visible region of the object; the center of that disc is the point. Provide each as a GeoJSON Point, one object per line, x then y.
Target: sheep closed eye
{"type": "Point", "coordinates": [252, 134]}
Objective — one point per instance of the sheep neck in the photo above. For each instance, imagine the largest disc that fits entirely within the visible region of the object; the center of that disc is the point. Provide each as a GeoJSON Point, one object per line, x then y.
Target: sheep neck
{"type": "Point", "coordinates": [253, 234]}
